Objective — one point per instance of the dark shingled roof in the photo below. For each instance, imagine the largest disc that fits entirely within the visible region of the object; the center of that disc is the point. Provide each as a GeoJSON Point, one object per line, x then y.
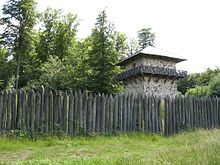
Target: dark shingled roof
{"type": "Point", "coordinates": [152, 52]}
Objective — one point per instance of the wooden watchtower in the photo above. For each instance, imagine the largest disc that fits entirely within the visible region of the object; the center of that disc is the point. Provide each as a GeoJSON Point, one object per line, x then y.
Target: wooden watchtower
{"type": "Point", "coordinates": [151, 71]}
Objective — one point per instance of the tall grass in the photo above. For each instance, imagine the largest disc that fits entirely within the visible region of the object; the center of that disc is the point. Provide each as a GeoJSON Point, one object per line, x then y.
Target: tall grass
{"type": "Point", "coordinates": [200, 147]}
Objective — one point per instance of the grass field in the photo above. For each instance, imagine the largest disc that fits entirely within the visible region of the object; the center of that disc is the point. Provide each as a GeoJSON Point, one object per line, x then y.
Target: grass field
{"type": "Point", "coordinates": [199, 147]}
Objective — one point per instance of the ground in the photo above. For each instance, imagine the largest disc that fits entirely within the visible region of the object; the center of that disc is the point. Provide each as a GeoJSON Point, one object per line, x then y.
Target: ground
{"type": "Point", "coordinates": [198, 147]}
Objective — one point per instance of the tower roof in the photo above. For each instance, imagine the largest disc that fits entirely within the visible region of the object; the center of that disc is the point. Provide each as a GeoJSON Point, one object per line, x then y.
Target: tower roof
{"type": "Point", "coordinates": [152, 52]}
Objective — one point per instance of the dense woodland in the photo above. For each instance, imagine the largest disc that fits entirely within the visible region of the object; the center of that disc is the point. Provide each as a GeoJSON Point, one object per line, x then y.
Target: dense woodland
{"type": "Point", "coordinates": [42, 49]}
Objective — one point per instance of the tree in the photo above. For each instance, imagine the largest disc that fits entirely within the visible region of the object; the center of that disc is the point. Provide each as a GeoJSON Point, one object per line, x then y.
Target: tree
{"type": "Point", "coordinates": [45, 45]}
{"type": "Point", "coordinates": [215, 85]}
{"type": "Point", "coordinates": [201, 84]}
{"type": "Point", "coordinates": [206, 77]}
{"type": "Point", "coordinates": [76, 60]}
{"type": "Point", "coordinates": [145, 38]}
{"type": "Point", "coordinates": [18, 20]}
{"type": "Point", "coordinates": [52, 75]}
{"type": "Point", "coordinates": [65, 33]}
{"type": "Point", "coordinates": [133, 47]}
{"type": "Point", "coordinates": [6, 68]}
{"type": "Point", "coordinates": [120, 42]}
{"type": "Point", "coordinates": [199, 91]}
{"type": "Point", "coordinates": [65, 74]}
{"type": "Point", "coordinates": [56, 35]}
{"type": "Point", "coordinates": [56, 49]}
{"type": "Point", "coordinates": [102, 57]}
{"type": "Point", "coordinates": [187, 83]}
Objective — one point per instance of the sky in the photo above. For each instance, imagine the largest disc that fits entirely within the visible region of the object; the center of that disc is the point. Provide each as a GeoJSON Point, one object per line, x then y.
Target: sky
{"type": "Point", "coordinates": [190, 29]}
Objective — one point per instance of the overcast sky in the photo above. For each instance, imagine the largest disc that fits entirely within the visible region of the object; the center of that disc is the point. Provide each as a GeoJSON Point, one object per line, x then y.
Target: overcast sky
{"type": "Point", "coordinates": [188, 28]}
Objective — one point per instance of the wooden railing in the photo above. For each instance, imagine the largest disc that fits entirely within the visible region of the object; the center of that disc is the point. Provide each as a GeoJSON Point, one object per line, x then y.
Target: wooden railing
{"type": "Point", "coordinates": [151, 70]}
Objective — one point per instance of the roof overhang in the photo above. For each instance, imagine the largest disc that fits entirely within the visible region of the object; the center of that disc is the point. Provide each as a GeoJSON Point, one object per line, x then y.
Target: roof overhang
{"type": "Point", "coordinates": [152, 52]}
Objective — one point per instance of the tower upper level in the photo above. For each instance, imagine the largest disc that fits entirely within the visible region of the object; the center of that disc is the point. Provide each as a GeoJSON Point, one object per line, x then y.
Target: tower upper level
{"type": "Point", "coordinates": [151, 60]}
{"type": "Point", "coordinates": [151, 56]}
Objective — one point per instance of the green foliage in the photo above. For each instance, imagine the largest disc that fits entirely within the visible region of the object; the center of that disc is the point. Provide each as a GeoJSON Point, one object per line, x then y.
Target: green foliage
{"type": "Point", "coordinates": [65, 74]}
{"type": "Point", "coordinates": [64, 35]}
{"type": "Point", "coordinates": [120, 42]}
{"type": "Point", "coordinates": [133, 47]}
{"type": "Point", "coordinates": [6, 69]}
{"type": "Point", "coordinates": [77, 64]}
{"type": "Point", "coordinates": [52, 75]}
{"type": "Point", "coordinates": [56, 34]}
{"type": "Point", "coordinates": [201, 84]}
{"type": "Point", "coordinates": [206, 77]}
{"type": "Point", "coordinates": [55, 47]}
{"type": "Point", "coordinates": [145, 38]}
{"type": "Point", "coordinates": [187, 83]}
{"type": "Point", "coordinates": [199, 91]}
{"type": "Point", "coordinates": [18, 20]}
{"type": "Point", "coordinates": [215, 85]}
{"type": "Point", "coordinates": [102, 58]}
{"type": "Point", "coordinates": [46, 33]}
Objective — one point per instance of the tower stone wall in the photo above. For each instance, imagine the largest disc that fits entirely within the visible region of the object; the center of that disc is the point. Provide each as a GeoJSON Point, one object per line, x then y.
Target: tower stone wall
{"type": "Point", "coordinates": [150, 62]}
{"type": "Point", "coordinates": [158, 86]}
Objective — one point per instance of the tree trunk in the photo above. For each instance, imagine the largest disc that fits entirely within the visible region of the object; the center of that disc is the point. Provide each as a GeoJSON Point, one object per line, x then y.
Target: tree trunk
{"type": "Point", "coordinates": [18, 62]}
{"type": "Point", "coordinates": [18, 59]}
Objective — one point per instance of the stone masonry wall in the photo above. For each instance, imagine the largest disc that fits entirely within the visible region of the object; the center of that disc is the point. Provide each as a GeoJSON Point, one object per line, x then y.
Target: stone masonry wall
{"type": "Point", "coordinates": [158, 86]}
{"type": "Point", "coordinates": [134, 85]}
{"type": "Point", "coordinates": [151, 62]}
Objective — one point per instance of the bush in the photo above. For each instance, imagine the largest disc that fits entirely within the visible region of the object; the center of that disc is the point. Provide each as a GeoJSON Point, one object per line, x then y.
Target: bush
{"type": "Point", "coordinates": [199, 91]}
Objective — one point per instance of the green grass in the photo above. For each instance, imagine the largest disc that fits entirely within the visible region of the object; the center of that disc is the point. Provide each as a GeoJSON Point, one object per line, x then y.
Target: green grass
{"type": "Point", "coordinates": [199, 147]}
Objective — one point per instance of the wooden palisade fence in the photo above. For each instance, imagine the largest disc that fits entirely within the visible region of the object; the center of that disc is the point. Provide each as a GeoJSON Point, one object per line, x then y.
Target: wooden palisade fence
{"type": "Point", "coordinates": [189, 113]}
{"type": "Point", "coordinates": [75, 113]}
